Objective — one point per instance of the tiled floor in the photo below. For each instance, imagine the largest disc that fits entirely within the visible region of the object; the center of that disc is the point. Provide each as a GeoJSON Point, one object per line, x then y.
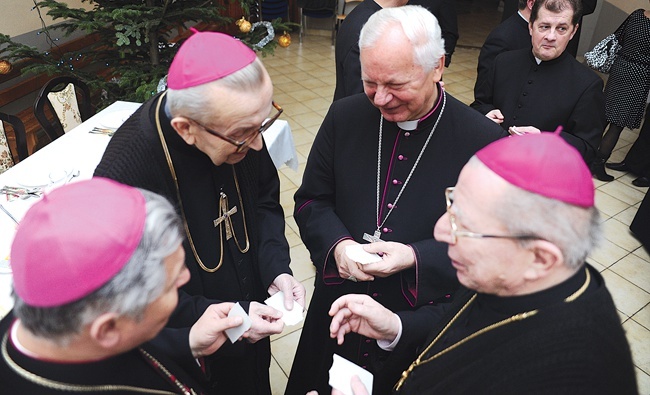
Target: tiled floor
{"type": "Point", "coordinates": [304, 78]}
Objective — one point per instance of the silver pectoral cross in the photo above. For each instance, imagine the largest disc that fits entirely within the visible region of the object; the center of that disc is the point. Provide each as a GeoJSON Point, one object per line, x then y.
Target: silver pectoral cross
{"type": "Point", "coordinates": [225, 217]}
{"type": "Point", "coordinates": [374, 238]}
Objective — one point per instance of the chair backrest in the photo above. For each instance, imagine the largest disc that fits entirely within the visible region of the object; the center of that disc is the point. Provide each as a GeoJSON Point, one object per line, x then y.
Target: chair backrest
{"type": "Point", "coordinates": [6, 156]}
{"type": "Point", "coordinates": [273, 9]}
{"type": "Point", "coordinates": [67, 99]}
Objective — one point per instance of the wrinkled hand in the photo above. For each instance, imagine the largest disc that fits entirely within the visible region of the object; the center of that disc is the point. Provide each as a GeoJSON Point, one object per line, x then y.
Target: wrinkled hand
{"type": "Point", "coordinates": [347, 267]}
{"type": "Point", "coordinates": [395, 258]}
{"type": "Point", "coordinates": [292, 288]}
{"type": "Point", "coordinates": [207, 334]}
{"type": "Point", "coordinates": [265, 322]}
{"type": "Point", "coordinates": [363, 315]}
{"type": "Point", "coordinates": [495, 115]}
{"type": "Point", "coordinates": [519, 130]}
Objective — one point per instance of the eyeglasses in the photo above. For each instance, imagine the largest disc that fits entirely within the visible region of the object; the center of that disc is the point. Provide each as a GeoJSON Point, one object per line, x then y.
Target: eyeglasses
{"type": "Point", "coordinates": [251, 137]}
{"type": "Point", "coordinates": [455, 233]}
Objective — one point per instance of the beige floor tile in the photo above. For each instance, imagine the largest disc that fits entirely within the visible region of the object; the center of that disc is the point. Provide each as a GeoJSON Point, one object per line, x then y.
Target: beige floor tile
{"type": "Point", "coordinates": [608, 253]}
{"type": "Point", "coordinates": [637, 337]}
{"type": "Point", "coordinates": [285, 183]}
{"type": "Point", "coordinates": [635, 270]}
{"type": "Point", "coordinates": [293, 109]}
{"type": "Point", "coordinates": [624, 192]}
{"type": "Point", "coordinates": [301, 135]}
{"type": "Point", "coordinates": [286, 201]}
{"type": "Point", "coordinates": [619, 233]}
{"type": "Point", "coordinates": [309, 119]}
{"type": "Point", "coordinates": [301, 264]}
{"type": "Point", "coordinates": [627, 215]}
{"type": "Point", "coordinates": [609, 204]}
{"type": "Point", "coordinates": [289, 87]}
{"type": "Point", "coordinates": [643, 317]}
{"type": "Point", "coordinates": [642, 253]}
{"type": "Point", "coordinates": [643, 381]}
{"type": "Point", "coordinates": [284, 349]}
{"type": "Point", "coordinates": [317, 104]}
{"type": "Point", "coordinates": [303, 94]}
{"type": "Point", "coordinates": [292, 237]}
{"type": "Point", "coordinates": [294, 176]}
{"type": "Point", "coordinates": [290, 222]}
{"type": "Point", "coordinates": [278, 378]}
{"type": "Point", "coordinates": [628, 298]}
{"type": "Point", "coordinates": [593, 263]}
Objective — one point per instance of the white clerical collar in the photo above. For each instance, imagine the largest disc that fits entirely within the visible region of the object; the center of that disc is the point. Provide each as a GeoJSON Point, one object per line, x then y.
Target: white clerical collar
{"type": "Point", "coordinates": [538, 60]}
{"type": "Point", "coordinates": [16, 342]}
{"type": "Point", "coordinates": [408, 125]}
{"type": "Point", "coordinates": [522, 16]}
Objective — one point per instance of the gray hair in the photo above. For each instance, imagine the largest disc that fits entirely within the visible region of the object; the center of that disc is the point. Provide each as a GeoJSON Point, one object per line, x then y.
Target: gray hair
{"type": "Point", "coordinates": [135, 287]}
{"type": "Point", "coordinates": [194, 102]}
{"type": "Point", "coordinates": [419, 26]}
{"type": "Point", "coordinates": [573, 229]}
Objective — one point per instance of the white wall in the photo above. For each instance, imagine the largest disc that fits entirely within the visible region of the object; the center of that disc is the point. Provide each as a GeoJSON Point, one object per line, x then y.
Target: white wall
{"type": "Point", "coordinates": [608, 16]}
{"type": "Point", "coordinates": [18, 16]}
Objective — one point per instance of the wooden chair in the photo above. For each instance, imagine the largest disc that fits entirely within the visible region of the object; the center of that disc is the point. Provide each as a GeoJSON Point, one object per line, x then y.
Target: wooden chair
{"type": "Point", "coordinates": [62, 104]}
{"type": "Point", "coordinates": [7, 158]}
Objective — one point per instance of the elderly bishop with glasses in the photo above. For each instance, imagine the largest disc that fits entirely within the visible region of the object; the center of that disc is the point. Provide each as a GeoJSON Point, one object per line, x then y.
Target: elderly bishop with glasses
{"type": "Point", "coordinates": [531, 315]}
{"type": "Point", "coordinates": [199, 144]}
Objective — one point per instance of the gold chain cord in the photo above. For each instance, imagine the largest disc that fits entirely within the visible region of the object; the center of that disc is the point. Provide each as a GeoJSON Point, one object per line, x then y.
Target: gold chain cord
{"type": "Point", "coordinates": [170, 164]}
{"type": "Point", "coordinates": [61, 386]}
{"type": "Point", "coordinates": [514, 318]}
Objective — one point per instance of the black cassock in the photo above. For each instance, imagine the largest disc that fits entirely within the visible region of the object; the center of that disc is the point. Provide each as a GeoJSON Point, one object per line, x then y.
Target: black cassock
{"type": "Point", "coordinates": [135, 157]}
{"type": "Point", "coordinates": [558, 92]}
{"type": "Point", "coordinates": [337, 200]}
{"type": "Point", "coordinates": [130, 368]}
{"type": "Point", "coordinates": [565, 348]}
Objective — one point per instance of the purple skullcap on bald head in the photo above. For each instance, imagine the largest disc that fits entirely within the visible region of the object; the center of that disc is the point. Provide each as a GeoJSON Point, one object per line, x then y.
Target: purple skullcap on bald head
{"type": "Point", "coordinates": [75, 240]}
{"type": "Point", "coordinates": [206, 57]}
{"type": "Point", "coordinates": [542, 163]}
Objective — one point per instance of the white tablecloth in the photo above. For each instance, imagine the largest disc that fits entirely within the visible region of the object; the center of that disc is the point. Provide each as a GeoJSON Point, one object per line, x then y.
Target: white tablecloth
{"type": "Point", "coordinates": [81, 151]}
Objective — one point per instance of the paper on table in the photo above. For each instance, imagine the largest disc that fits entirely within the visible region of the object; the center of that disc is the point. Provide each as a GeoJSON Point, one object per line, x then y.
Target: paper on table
{"type": "Point", "coordinates": [235, 333]}
{"type": "Point", "coordinates": [341, 374]}
{"type": "Point", "coordinates": [290, 317]}
{"type": "Point", "coordinates": [358, 254]}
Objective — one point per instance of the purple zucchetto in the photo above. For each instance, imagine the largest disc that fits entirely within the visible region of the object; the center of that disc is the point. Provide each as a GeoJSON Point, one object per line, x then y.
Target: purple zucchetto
{"type": "Point", "coordinates": [206, 57]}
{"type": "Point", "coordinates": [544, 164]}
{"type": "Point", "coordinates": [75, 240]}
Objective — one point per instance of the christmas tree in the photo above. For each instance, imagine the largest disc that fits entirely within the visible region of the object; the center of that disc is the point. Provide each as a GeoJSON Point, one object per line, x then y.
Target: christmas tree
{"type": "Point", "coordinates": [135, 41]}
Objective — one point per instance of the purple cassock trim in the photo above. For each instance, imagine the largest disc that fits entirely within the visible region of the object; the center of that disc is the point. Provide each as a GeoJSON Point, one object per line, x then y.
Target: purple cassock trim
{"type": "Point", "coordinates": [330, 272]}
{"type": "Point", "coordinates": [304, 205]}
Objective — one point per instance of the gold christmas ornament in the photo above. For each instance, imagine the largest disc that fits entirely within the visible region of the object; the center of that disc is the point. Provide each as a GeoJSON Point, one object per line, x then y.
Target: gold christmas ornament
{"type": "Point", "coordinates": [284, 40]}
{"type": "Point", "coordinates": [5, 67]}
{"type": "Point", "coordinates": [244, 25]}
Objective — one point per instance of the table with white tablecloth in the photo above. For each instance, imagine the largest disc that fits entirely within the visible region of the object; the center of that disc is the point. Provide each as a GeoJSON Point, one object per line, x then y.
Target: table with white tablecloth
{"type": "Point", "coordinates": [73, 157]}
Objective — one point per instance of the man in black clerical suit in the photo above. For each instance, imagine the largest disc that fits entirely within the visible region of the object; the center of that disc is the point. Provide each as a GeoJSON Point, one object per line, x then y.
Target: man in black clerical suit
{"type": "Point", "coordinates": [529, 91]}
{"type": "Point", "coordinates": [96, 270]}
{"type": "Point", "coordinates": [509, 35]}
{"type": "Point", "coordinates": [199, 144]}
{"type": "Point", "coordinates": [531, 315]}
{"type": "Point", "coordinates": [588, 7]}
{"type": "Point", "coordinates": [374, 160]}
